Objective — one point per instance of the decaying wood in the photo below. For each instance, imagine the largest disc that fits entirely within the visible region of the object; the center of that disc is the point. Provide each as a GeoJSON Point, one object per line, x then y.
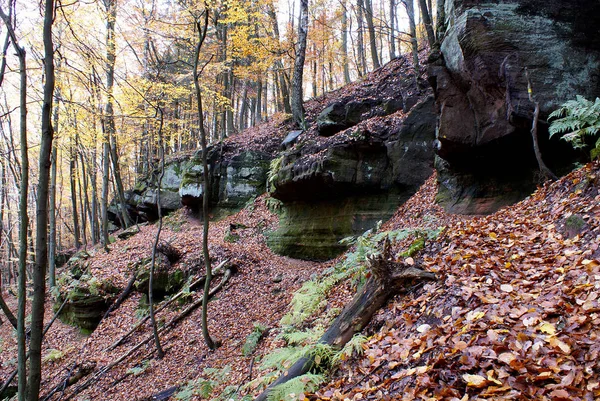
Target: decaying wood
{"type": "Point", "coordinates": [195, 284]}
{"type": "Point", "coordinates": [228, 273]}
{"type": "Point", "coordinates": [76, 373]}
{"type": "Point", "coordinates": [388, 279]}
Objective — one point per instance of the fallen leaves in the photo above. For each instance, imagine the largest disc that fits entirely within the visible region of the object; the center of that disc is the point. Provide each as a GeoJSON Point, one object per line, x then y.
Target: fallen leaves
{"type": "Point", "coordinates": [515, 314]}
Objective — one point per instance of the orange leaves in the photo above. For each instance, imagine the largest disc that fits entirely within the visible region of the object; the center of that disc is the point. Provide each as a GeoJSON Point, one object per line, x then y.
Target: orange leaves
{"type": "Point", "coordinates": [516, 314]}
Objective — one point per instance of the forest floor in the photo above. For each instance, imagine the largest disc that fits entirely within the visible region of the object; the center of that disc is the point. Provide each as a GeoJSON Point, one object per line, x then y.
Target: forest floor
{"type": "Point", "coordinates": [513, 315]}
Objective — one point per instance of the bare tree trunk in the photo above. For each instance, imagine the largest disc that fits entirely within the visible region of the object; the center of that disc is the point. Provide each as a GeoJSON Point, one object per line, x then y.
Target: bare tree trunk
{"type": "Point", "coordinates": [41, 244]}
{"type": "Point", "coordinates": [111, 9]}
{"type": "Point", "coordinates": [441, 22]}
{"type": "Point", "coordinates": [52, 207]}
{"type": "Point", "coordinates": [426, 16]}
{"type": "Point", "coordinates": [392, 43]}
{"type": "Point", "coordinates": [371, 29]}
{"type": "Point", "coordinates": [72, 173]}
{"type": "Point", "coordinates": [544, 170]}
{"type": "Point", "coordinates": [297, 97]}
{"type": "Point", "coordinates": [105, 183]}
{"type": "Point", "coordinates": [84, 200]}
{"type": "Point", "coordinates": [360, 42]}
{"type": "Point", "coordinates": [345, 42]}
{"type": "Point", "coordinates": [258, 106]}
{"type": "Point", "coordinates": [202, 28]}
{"type": "Point", "coordinates": [52, 218]}
{"type": "Point", "coordinates": [161, 155]}
{"type": "Point", "coordinates": [23, 193]}
{"type": "Point", "coordinates": [410, 10]}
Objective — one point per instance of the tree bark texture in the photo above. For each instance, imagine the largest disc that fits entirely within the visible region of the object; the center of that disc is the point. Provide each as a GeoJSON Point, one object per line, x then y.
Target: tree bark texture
{"type": "Point", "coordinates": [41, 243]}
{"type": "Point", "coordinates": [297, 96]}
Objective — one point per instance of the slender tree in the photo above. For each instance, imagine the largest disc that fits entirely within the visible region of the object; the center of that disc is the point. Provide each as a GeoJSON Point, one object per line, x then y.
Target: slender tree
{"type": "Point", "coordinates": [23, 192]}
{"type": "Point", "coordinates": [111, 17]}
{"type": "Point", "coordinates": [202, 27]}
{"type": "Point", "coordinates": [41, 240]}
{"type": "Point", "coordinates": [159, 350]}
{"type": "Point", "coordinates": [410, 10]}
{"type": "Point", "coordinates": [372, 37]}
{"type": "Point", "coordinates": [361, 65]}
{"type": "Point", "coordinates": [345, 42]}
{"type": "Point", "coordinates": [426, 16]}
{"type": "Point", "coordinates": [392, 38]}
{"type": "Point", "coordinates": [297, 97]}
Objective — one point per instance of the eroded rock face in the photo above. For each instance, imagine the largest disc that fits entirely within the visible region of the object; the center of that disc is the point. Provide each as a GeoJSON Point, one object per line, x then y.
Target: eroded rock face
{"type": "Point", "coordinates": [342, 186]}
{"type": "Point", "coordinates": [481, 86]}
{"type": "Point", "coordinates": [234, 181]}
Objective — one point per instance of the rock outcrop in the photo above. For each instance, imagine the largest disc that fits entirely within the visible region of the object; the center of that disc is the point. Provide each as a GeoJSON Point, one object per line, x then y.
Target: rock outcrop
{"type": "Point", "coordinates": [343, 185]}
{"type": "Point", "coordinates": [367, 148]}
{"type": "Point", "coordinates": [481, 86]}
{"type": "Point", "coordinates": [234, 181]}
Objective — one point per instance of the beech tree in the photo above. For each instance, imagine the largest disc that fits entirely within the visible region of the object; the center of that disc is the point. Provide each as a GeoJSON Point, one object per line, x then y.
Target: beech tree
{"type": "Point", "coordinates": [41, 244]}
{"type": "Point", "coordinates": [297, 97]}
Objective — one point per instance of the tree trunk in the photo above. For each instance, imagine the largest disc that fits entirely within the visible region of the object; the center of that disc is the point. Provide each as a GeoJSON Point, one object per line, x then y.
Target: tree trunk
{"type": "Point", "coordinates": [410, 10]}
{"type": "Point", "coordinates": [392, 39]}
{"type": "Point", "coordinates": [387, 280]}
{"type": "Point", "coordinates": [426, 16]}
{"type": "Point", "coordinates": [258, 106]}
{"type": "Point", "coordinates": [111, 9]}
{"type": "Point", "coordinates": [41, 243]}
{"type": "Point", "coordinates": [23, 192]}
{"type": "Point", "coordinates": [297, 97]}
{"type": "Point", "coordinates": [202, 29]}
{"type": "Point", "coordinates": [360, 42]}
{"type": "Point", "coordinates": [161, 155]}
{"type": "Point", "coordinates": [105, 183]}
{"type": "Point", "coordinates": [544, 170]}
{"type": "Point", "coordinates": [345, 43]}
{"type": "Point", "coordinates": [72, 173]}
{"type": "Point", "coordinates": [52, 218]}
{"type": "Point", "coordinates": [371, 29]}
{"type": "Point", "coordinates": [441, 23]}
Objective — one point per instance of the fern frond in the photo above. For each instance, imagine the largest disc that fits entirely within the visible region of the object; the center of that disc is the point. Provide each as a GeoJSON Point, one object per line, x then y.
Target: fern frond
{"type": "Point", "coordinates": [292, 389]}
{"type": "Point", "coordinates": [282, 358]}
{"type": "Point", "coordinates": [576, 119]}
{"type": "Point", "coordinates": [355, 345]}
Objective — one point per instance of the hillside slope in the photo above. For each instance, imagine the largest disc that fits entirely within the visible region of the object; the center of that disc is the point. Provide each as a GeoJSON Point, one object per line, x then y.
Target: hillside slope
{"type": "Point", "coordinates": [513, 316]}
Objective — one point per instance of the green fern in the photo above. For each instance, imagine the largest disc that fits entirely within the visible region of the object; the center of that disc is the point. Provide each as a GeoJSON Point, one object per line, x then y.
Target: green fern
{"type": "Point", "coordinates": [253, 339]}
{"type": "Point", "coordinates": [575, 120]}
{"type": "Point", "coordinates": [294, 337]}
{"type": "Point", "coordinates": [282, 358]}
{"type": "Point", "coordinates": [293, 388]}
{"type": "Point", "coordinates": [354, 346]}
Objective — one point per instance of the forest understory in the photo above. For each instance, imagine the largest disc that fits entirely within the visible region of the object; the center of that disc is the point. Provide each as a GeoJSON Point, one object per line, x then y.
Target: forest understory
{"type": "Point", "coordinates": [513, 313]}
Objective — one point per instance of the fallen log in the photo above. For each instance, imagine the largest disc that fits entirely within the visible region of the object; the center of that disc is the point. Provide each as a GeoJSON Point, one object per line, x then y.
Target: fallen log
{"type": "Point", "coordinates": [193, 285]}
{"type": "Point", "coordinates": [388, 278]}
{"type": "Point", "coordinates": [228, 273]}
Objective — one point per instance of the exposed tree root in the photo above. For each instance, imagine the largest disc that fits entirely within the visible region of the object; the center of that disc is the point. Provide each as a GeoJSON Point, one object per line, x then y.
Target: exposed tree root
{"type": "Point", "coordinates": [388, 279]}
